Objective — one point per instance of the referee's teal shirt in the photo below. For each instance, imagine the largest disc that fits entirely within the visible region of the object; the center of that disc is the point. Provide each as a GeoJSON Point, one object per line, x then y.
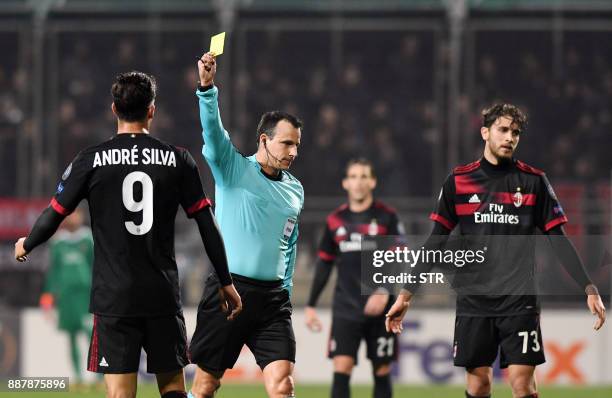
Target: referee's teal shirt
{"type": "Point", "coordinates": [258, 216]}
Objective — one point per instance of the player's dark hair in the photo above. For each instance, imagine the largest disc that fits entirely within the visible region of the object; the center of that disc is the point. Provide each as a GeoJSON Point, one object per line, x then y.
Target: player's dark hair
{"type": "Point", "coordinates": [490, 115]}
{"type": "Point", "coordinates": [269, 120]}
{"type": "Point", "coordinates": [133, 92]}
{"type": "Point", "coordinates": [362, 162]}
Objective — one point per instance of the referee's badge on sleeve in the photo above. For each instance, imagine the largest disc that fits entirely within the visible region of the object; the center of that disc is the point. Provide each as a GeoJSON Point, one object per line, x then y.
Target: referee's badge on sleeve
{"type": "Point", "coordinates": [289, 226]}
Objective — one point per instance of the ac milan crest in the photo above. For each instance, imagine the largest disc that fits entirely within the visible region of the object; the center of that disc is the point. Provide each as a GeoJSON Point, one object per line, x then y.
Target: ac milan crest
{"type": "Point", "coordinates": [517, 198]}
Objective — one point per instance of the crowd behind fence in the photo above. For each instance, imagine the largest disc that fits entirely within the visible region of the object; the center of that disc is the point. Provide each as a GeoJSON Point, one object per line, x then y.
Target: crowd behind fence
{"type": "Point", "coordinates": [379, 90]}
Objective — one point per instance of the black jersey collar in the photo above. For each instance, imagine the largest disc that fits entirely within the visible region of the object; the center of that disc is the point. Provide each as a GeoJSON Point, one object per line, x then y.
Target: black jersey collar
{"type": "Point", "coordinates": [497, 170]}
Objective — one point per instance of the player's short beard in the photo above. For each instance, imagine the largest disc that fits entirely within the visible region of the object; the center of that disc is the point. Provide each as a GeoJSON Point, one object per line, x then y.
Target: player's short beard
{"type": "Point", "coordinates": [504, 159]}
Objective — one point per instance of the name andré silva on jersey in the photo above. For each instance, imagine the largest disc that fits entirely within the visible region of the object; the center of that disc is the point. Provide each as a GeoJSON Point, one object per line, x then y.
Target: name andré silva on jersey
{"type": "Point", "coordinates": [133, 157]}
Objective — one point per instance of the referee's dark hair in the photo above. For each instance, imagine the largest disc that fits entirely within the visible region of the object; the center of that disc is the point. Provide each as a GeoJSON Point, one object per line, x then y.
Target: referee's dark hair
{"type": "Point", "coordinates": [133, 92]}
{"type": "Point", "coordinates": [490, 115]}
{"type": "Point", "coordinates": [269, 120]}
{"type": "Point", "coordinates": [362, 162]}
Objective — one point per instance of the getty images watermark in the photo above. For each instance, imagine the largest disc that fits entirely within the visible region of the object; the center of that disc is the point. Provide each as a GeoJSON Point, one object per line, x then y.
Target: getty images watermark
{"type": "Point", "coordinates": [477, 264]}
{"type": "Point", "coordinates": [408, 259]}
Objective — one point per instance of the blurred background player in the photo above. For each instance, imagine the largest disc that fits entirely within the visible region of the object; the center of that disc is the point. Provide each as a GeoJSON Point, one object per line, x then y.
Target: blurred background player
{"type": "Point", "coordinates": [68, 282]}
{"type": "Point", "coordinates": [258, 205]}
{"type": "Point", "coordinates": [495, 318]}
{"type": "Point", "coordinates": [134, 184]}
{"type": "Point", "coordinates": [356, 316]}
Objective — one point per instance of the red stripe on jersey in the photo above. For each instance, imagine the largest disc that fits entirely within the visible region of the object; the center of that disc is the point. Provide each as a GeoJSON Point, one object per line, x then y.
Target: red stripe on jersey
{"type": "Point", "coordinates": [199, 205]}
{"type": "Point", "coordinates": [334, 221]}
{"type": "Point", "coordinates": [465, 185]}
{"type": "Point", "coordinates": [59, 208]}
{"type": "Point", "coordinates": [507, 198]}
{"type": "Point", "coordinates": [466, 209]}
{"type": "Point", "coordinates": [553, 223]}
{"type": "Point", "coordinates": [528, 169]}
{"type": "Point", "coordinates": [326, 256]}
{"type": "Point", "coordinates": [467, 168]}
{"type": "Point", "coordinates": [93, 350]}
{"type": "Point", "coordinates": [364, 229]}
{"type": "Point", "coordinates": [384, 207]}
{"type": "Point", "coordinates": [438, 218]}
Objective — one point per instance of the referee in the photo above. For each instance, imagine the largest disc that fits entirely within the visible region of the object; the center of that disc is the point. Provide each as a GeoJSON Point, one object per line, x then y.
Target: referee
{"type": "Point", "coordinates": [258, 204]}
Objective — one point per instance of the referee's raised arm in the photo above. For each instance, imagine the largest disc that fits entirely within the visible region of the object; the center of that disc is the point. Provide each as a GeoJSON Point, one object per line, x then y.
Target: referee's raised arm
{"type": "Point", "coordinates": [225, 161]}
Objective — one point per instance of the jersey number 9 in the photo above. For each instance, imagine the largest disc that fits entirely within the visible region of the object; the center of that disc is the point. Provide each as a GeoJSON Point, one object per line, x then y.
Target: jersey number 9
{"type": "Point", "coordinates": [145, 204]}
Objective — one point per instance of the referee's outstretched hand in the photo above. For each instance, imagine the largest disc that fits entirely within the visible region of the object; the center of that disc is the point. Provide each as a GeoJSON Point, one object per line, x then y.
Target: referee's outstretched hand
{"type": "Point", "coordinates": [230, 301]}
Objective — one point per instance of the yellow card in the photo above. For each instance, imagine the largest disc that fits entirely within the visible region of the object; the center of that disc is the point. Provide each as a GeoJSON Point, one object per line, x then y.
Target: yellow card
{"type": "Point", "coordinates": [216, 44]}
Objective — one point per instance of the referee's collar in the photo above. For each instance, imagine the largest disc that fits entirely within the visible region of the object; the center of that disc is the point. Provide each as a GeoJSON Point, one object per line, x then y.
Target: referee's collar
{"type": "Point", "coordinates": [278, 177]}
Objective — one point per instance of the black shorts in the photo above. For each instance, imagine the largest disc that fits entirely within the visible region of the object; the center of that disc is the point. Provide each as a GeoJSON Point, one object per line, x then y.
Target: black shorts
{"type": "Point", "coordinates": [264, 325]}
{"type": "Point", "coordinates": [517, 338]}
{"type": "Point", "coordinates": [116, 343]}
{"type": "Point", "coordinates": [346, 335]}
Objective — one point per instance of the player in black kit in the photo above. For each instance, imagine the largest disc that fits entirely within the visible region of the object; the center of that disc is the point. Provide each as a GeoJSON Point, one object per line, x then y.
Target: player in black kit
{"type": "Point", "coordinates": [355, 316]}
{"type": "Point", "coordinates": [489, 200]}
{"type": "Point", "coordinates": [134, 184]}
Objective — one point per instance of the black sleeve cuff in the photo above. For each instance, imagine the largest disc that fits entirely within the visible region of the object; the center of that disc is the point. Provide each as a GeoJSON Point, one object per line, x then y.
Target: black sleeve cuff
{"type": "Point", "coordinates": [205, 88]}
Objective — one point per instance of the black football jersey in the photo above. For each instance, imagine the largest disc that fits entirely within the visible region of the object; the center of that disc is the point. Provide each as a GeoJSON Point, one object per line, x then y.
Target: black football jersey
{"type": "Point", "coordinates": [134, 184]}
{"type": "Point", "coordinates": [498, 209]}
{"type": "Point", "coordinates": [342, 244]}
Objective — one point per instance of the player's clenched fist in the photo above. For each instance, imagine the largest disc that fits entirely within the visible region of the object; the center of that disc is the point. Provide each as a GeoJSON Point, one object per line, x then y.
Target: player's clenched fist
{"type": "Point", "coordinates": [207, 68]}
{"type": "Point", "coordinates": [20, 251]}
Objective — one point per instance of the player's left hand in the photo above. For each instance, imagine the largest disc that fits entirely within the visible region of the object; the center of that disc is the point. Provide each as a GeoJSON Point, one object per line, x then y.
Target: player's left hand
{"type": "Point", "coordinates": [597, 308]}
{"type": "Point", "coordinates": [21, 254]}
{"type": "Point", "coordinates": [312, 319]}
{"type": "Point", "coordinates": [230, 301]}
{"type": "Point", "coordinates": [376, 304]}
{"type": "Point", "coordinates": [395, 316]}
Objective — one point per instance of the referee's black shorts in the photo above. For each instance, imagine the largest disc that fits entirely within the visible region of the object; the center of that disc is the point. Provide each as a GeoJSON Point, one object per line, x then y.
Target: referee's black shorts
{"type": "Point", "coordinates": [264, 325]}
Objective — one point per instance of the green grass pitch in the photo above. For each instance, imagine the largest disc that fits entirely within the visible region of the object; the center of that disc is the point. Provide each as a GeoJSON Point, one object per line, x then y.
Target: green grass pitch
{"type": "Point", "coordinates": [320, 391]}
